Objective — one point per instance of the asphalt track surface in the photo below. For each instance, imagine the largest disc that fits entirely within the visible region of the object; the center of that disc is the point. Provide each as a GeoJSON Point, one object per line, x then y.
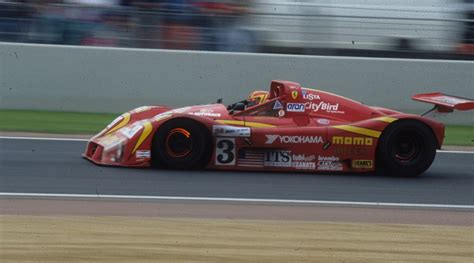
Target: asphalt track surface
{"type": "Point", "coordinates": [56, 167]}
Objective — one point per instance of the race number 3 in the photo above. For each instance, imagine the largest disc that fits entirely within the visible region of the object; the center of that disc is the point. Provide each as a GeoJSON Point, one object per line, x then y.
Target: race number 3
{"type": "Point", "coordinates": [225, 151]}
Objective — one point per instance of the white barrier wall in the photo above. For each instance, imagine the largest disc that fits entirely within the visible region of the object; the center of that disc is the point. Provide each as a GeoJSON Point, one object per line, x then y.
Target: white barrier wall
{"type": "Point", "coordinates": [114, 80]}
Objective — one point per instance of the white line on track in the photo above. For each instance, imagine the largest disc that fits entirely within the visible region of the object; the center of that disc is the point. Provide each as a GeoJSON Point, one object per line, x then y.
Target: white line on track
{"type": "Point", "coordinates": [236, 200]}
{"type": "Point", "coordinates": [85, 140]}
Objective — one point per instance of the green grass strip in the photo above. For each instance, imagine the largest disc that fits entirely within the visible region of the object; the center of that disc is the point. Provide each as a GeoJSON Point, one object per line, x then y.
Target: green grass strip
{"type": "Point", "coordinates": [54, 122]}
{"type": "Point", "coordinates": [459, 135]}
{"type": "Point", "coordinates": [91, 123]}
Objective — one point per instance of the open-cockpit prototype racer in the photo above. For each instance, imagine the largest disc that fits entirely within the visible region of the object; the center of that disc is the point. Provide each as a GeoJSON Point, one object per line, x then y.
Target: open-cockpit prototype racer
{"type": "Point", "coordinates": [289, 128]}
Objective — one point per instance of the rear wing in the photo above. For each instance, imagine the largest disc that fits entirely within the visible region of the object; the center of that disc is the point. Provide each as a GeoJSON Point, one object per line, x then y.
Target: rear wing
{"type": "Point", "coordinates": [445, 103]}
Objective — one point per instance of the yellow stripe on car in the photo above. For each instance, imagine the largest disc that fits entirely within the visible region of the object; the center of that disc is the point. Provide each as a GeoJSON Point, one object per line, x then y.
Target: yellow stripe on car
{"type": "Point", "coordinates": [359, 130]}
{"type": "Point", "coordinates": [123, 122]}
{"type": "Point", "coordinates": [246, 123]}
{"type": "Point", "coordinates": [147, 128]}
{"type": "Point", "coordinates": [386, 119]}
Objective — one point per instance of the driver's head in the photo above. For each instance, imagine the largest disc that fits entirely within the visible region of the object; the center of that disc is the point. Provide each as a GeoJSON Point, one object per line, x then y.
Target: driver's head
{"type": "Point", "coordinates": [257, 97]}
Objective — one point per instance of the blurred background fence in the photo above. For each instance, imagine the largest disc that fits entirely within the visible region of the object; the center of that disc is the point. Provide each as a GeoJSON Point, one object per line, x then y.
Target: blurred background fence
{"type": "Point", "coordinates": [399, 28]}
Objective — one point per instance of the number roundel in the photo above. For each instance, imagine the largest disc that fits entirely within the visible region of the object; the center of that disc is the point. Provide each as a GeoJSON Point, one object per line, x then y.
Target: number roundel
{"type": "Point", "coordinates": [225, 151]}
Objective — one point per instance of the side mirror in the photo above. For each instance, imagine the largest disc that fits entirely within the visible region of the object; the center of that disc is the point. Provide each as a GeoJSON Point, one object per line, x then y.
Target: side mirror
{"type": "Point", "coordinates": [219, 100]}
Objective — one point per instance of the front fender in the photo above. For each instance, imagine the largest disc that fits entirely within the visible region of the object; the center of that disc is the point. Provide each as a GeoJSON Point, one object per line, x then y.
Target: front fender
{"type": "Point", "coordinates": [436, 127]}
{"type": "Point", "coordinates": [119, 143]}
{"type": "Point", "coordinates": [130, 117]}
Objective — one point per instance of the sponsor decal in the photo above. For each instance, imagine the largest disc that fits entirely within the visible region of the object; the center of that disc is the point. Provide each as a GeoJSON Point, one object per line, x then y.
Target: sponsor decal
{"type": "Point", "coordinates": [329, 163]}
{"type": "Point", "coordinates": [310, 96]}
{"type": "Point", "coordinates": [323, 121]}
{"type": "Point", "coordinates": [130, 131]}
{"type": "Point", "coordinates": [295, 107]}
{"type": "Point", "coordinates": [294, 94]}
{"type": "Point", "coordinates": [230, 131]}
{"type": "Point", "coordinates": [140, 109]}
{"type": "Point", "coordinates": [167, 114]}
{"type": "Point", "coordinates": [364, 164]}
{"type": "Point", "coordinates": [216, 130]}
{"type": "Point", "coordinates": [162, 116]}
{"type": "Point", "coordinates": [277, 105]}
{"type": "Point", "coordinates": [259, 159]}
{"type": "Point", "coordinates": [250, 158]}
{"type": "Point", "coordinates": [328, 158]}
{"type": "Point", "coordinates": [281, 113]}
{"type": "Point", "coordinates": [271, 138]}
{"type": "Point", "coordinates": [304, 165]}
{"type": "Point", "coordinates": [302, 157]}
{"type": "Point", "coordinates": [347, 140]}
{"type": "Point", "coordinates": [304, 162]}
{"type": "Point", "coordinates": [205, 112]}
{"type": "Point", "coordinates": [293, 139]}
{"type": "Point", "coordinates": [142, 154]}
{"type": "Point", "coordinates": [180, 110]}
{"type": "Point", "coordinates": [351, 151]}
{"type": "Point", "coordinates": [323, 106]}
{"type": "Point", "coordinates": [277, 159]}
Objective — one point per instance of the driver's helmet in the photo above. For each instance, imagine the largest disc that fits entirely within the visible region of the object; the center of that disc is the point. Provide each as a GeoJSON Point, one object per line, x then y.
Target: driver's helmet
{"type": "Point", "coordinates": [257, 97]}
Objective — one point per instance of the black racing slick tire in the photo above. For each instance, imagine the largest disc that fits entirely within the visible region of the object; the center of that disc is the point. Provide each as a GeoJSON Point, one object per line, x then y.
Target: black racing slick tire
{"type": "Point", "coordinates": [406, 148]}
{"type": "Point", "coordinates": [181, 144]}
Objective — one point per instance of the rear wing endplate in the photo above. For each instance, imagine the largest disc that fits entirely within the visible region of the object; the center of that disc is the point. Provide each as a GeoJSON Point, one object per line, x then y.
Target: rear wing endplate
{"type": "Point", "coordinates": [445, 103]}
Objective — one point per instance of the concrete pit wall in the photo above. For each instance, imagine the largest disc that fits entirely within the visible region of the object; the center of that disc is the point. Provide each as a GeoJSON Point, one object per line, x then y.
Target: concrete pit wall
{"type": "Point", "coordinates": [91, 79]}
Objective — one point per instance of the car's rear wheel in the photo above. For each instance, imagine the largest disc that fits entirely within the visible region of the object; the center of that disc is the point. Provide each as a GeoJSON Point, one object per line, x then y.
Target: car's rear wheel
{"type": "Point", "coordinates": [181, 144]}
{"type": "Point", "coordinates": [406, 148]}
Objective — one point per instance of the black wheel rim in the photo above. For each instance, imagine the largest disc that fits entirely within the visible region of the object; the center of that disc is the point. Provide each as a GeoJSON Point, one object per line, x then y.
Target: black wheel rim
{"type": "Point", "coordinates": [178, 143]}
{"type": "Point", "coordinates": [406, 147]}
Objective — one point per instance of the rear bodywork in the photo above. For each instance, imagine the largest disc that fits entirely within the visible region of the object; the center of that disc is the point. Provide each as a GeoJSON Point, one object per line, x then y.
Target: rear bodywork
{"type": "Point", "coordinates": [294, 129]}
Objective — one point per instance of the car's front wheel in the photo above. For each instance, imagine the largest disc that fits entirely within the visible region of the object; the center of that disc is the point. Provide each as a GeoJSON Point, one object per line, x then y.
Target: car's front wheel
{"type": "Point", "coordinates": [406, 148]}
{"type": "Point", "coordinates": [181, 144]}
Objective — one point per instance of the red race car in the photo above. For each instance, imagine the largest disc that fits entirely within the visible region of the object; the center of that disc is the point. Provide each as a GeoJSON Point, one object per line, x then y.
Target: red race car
{"type": "Point", "coordinates": [289, 128]}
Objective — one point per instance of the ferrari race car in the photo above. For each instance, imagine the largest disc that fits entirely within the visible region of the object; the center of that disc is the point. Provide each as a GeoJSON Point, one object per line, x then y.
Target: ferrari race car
{"type": "Point", "coordinates": [289, 128]}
